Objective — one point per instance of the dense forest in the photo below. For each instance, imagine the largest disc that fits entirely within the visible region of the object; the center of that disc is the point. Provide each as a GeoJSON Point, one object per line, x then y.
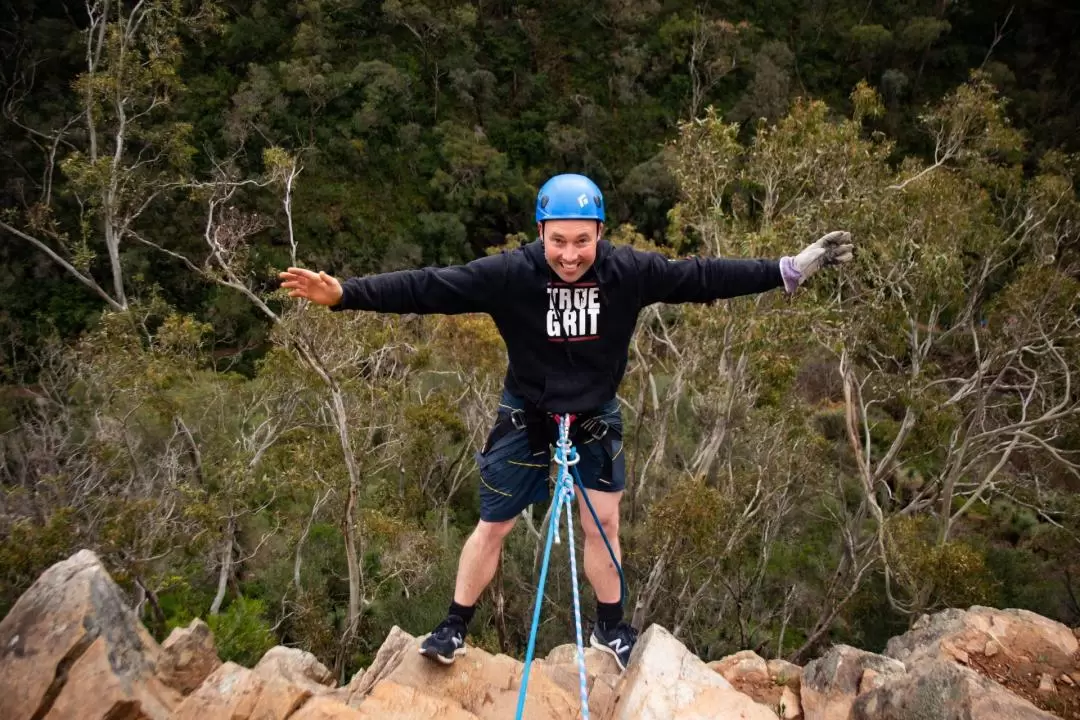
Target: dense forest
{"type": "Point", "coordinates": [896, 438]}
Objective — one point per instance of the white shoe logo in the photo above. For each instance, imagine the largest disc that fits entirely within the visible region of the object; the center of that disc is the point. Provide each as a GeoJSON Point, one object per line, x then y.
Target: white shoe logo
{"type": "Point", "coordinates": [583, 200]}
{"type": "Point", "coordinates": [458, 642]}
{"type": "Point", "coordinates": [617, 645]}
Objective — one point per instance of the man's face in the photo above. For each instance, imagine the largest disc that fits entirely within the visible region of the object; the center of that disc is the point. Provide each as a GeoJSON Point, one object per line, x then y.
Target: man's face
{"type": "Point", "coordinates": [570, 246]}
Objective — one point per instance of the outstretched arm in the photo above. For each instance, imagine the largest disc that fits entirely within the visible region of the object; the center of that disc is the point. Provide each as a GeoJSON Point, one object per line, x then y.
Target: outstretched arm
{"type": "Point", "coordinates": [707, 279]}
{"type": "Point", "coordinates": [449, 291]}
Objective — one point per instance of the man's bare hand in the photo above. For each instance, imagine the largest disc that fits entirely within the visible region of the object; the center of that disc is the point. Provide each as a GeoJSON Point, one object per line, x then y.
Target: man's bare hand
{"type": "Point", "coordinates": [317, 287]}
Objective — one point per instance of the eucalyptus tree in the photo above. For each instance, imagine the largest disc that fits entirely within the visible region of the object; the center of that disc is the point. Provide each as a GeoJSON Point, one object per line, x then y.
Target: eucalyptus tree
{"type": "Point", "coordinates": [110, 147]}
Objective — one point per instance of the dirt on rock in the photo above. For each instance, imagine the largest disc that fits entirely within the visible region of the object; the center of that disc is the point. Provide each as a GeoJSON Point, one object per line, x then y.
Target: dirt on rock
{"type": "Point", "coordinates": [764, 691]}
{"type": "Point", "coordinates": [1053, 689]}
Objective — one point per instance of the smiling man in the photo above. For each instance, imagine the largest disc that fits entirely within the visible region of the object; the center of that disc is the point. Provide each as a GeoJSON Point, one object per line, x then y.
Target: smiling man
{"type": "Point", "coordinates": [566, 306]}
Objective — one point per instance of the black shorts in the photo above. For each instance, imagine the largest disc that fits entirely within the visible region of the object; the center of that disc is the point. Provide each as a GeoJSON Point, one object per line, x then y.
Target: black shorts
{"type": "Point", "coordinates": [512, 477]}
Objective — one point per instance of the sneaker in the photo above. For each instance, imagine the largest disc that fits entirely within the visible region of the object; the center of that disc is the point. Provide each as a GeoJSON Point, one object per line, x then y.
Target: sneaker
{"type": "Point", "coordinates": [445, 642]}
{"type": "Point", "coordinates": [617, 641]}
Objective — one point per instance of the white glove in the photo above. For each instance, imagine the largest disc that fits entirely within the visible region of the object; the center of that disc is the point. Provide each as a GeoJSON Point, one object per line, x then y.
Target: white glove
{"type": "Point", "coordinates": [832, 249]}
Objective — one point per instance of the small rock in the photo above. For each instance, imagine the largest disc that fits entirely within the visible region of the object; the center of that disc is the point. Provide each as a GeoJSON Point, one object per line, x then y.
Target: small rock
{"type": "Point", "coordinates": [745, 666]}
{"type": "Point", "coordinates": [831, 683]}
{"type": "Point", "coordinates": [295, 667]}
{"type": "Point", "coordinates": [1046, 684]}
{"type": "Point", "coordinates": [870, 680]}
{"type": "Point", "coordinates": [1067, 680]}
{"type": "Point", "coordinates": [784, 673]}
{"type": "Point", "coordinates": [188, 657]}
{"type": "Point", "coordinates": [991, 649]}
{"type": "Point", "coordinates": [790, 707]}
{"type": "Point", "coordinates": [233, 691]}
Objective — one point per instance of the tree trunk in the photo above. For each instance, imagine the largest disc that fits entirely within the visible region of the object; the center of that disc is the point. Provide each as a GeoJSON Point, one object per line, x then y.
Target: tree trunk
{"type": "Point", "coordinates": [148, 595]}
{"type": "Point", "coordinates": [352, 557]}
{"type": "Point", "coordinates": [499, 611]}
{"type": "Point", "coordinates": [648, 593]}
{"type": "Point", "coordinates": [226, 566]}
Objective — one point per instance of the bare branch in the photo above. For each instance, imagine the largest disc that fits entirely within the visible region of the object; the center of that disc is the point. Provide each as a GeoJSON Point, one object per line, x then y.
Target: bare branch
{"type": "Point", "coordinates": [84, 279]}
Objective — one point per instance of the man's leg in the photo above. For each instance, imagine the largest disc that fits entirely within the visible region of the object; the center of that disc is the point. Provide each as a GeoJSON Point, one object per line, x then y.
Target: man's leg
{"type": "Point", "coordinates": [511, 478]}
{"type": "Point", "coordinates": [599, 569]}
{"type": "Point", "coordinates": [479, 560]}
{"type": "Point", "coordinates": [476, 567]}
{"type": "Point", "coordinates": [610, 633]}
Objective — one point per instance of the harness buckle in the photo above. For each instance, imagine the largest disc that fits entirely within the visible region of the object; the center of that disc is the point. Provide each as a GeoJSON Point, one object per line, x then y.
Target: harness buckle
{"type": "Point", "coordinates": [596, 427]}
{"type": "Point", "coordinates": [517, 418]}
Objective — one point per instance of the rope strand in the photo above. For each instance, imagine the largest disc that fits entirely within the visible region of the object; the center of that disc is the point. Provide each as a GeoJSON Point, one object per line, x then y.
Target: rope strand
{"type": "Point", "coordinates": [566, 457]}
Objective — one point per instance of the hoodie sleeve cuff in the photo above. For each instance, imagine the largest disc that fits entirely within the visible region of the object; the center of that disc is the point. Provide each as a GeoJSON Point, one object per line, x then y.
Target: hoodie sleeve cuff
{"type": "Point", "coordinates": [344, 302]}
{"type": "Point", "coordinates": [790, 274]}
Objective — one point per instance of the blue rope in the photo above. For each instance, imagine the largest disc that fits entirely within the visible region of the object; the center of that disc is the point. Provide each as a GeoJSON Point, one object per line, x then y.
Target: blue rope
{"type": "Point", "coordinates": [568, 493]}
{"type": "Point", "coordinates": [553, 525]}
{"type": "Point", "coordinates": [566, 457]}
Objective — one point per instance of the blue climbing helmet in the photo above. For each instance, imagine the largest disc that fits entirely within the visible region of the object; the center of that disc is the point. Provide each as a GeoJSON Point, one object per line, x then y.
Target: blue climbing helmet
{"type": "Point", "coordinates": [569, 197]}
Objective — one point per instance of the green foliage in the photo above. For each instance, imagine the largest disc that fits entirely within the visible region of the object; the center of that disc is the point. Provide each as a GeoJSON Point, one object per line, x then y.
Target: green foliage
{"type": "Point", "coordinates": [29, 548]}
{"type": "Point", "coordinates": [242, 633]}
{"type": "Point", "coordinates": [935, 574]}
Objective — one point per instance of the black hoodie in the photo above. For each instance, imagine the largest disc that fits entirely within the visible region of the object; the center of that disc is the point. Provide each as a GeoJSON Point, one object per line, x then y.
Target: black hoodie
{"type": "Point", "coordinates": [567, 342]}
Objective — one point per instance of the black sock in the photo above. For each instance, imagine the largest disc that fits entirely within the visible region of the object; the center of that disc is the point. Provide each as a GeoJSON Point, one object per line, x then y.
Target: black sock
{"type": "Point", "coordinates": [463, 612]}
{"type": "Point", "coordinates": [608, 615]}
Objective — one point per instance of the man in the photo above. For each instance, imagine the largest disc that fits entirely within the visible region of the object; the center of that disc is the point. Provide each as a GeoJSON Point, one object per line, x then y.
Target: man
{"type": "Point", "coordinates": [566, 306]}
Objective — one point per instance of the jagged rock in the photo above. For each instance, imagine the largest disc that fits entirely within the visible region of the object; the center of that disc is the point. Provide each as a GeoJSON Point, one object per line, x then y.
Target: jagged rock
{"type": "Point", "coordinates": [749, 674]}
{"type": "Point", "coordinates": [942, 690]}
{"type": "Point", "coordinates": [952, 633]}
{"type": "Point", "coordinates": [391, 701]}
{"type": "Point", "coordinates": [831, 683]}
{"type": "Point", "coordinates": [485, 685]}
{"type": "Point", "coordinates": [596, 661]}
{"type": "Point", "coordinates": [665, 681]}
{"type": "Point", "coordinates": [1012, 648]}
{"type": "Point", "coordinates": [561, 666]}
{"type": "Point", "coordinates": [296, 667]}
{"type": "Point", "coordinates": [602, 694]}
{"type": "Point", "coordinates": [188, 657]}
{"type": "Point", "coordinates": [323, 707]}
{"type": "Point", "coordinates": [234, 692]}
{"type": "Point", "coordinates": [390, 654]}
{"type": "Point", "coordinates": [783, 672]}
{"type": "Point", "coordinates": [71, 647]}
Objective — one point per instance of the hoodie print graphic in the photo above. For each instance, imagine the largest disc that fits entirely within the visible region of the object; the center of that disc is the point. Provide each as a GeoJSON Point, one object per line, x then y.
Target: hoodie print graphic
{"type": "Point", "coordinates": [573, 312]}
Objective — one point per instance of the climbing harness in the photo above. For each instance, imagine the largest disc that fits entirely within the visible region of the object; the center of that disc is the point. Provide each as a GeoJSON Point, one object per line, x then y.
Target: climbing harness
{"type": "Point", "coordinates": [566, 457]}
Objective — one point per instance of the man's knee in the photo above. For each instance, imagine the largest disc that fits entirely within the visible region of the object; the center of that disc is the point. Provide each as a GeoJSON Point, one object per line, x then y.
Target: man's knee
{"type": "Point", "coordinates": [609, 521]}
{"type": "Point", "coordinates": [493, 532]}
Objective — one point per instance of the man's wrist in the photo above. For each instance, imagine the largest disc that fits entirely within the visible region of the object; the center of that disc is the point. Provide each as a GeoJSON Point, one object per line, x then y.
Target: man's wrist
{"type": "Point", "coordinates": [790, 274]}
{"type": "Point", "coordinates": [338, 304]}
